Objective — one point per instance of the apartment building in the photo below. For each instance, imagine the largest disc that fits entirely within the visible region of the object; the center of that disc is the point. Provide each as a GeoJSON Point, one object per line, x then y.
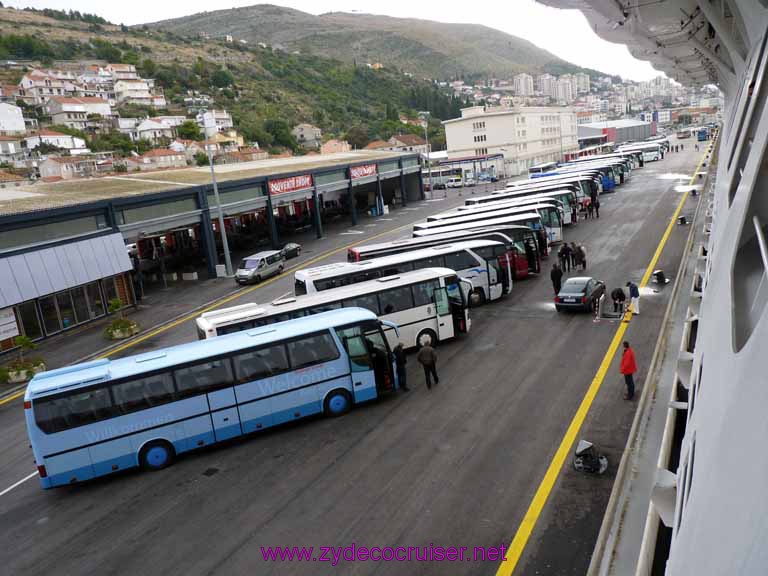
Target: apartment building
{"type": "Point", "coordinates": [82, 113]}
{"type": "Point", "coordinates": [11, 120]}
{"type": "Point", "coordinates": [546, 84]}
{"type": "Point", "coordinates": [37, 85]}
{"type": "Point", "coordinates": [524, 136]}
{"type": "Point", "coordinates": [523, 85]}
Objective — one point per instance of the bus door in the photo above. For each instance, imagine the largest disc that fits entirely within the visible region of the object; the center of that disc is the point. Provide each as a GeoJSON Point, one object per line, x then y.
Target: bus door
{"type": "Point", "coordinates": [446, 324]}
{"type": "Point", "coordinates": [224, 414]}
{"type": "Point", "coordinates": [370, 364]}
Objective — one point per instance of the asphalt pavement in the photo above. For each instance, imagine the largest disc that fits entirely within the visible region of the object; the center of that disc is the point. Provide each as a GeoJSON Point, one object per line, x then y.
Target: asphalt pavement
{"type": "Point", "coordinates": [454, 466]}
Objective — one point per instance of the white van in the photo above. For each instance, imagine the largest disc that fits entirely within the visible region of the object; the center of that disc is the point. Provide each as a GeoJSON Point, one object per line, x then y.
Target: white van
{"type": "Point", "coordinates": [454, 182]}
{"type": "Point", "coordinates": [257, 267]}
{"type": "Point", "coordinates": [651, 155]}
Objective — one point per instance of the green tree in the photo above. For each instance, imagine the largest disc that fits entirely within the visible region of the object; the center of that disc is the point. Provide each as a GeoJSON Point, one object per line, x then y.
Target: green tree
{"type": "Point", "coordinates": [130, 57]}
{"type": "Point", "coordinates": [222, 78]}
{"type": "Point", "coordinates": [281, 133]}
{"type": "Point", "coordinates": [147, 67]}
{"type": "Point", "coordinates": [201, 159]}
{"type": "Point", "coordinates": [69, 131]}
{"type": "Point", "coordinates": [357, 136]}
{"type": "Point", "coordinates": [391, 113]}
{"type": "Point", "coordinates": [189, 130]}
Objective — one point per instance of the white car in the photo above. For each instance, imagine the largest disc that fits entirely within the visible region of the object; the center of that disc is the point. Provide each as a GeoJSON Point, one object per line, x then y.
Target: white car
{"type": "Point", "coordinates": [651, 156]}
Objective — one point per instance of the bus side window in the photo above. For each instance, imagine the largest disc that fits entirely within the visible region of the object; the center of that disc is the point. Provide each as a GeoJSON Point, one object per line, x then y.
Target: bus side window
{"type": "Point", "coordinates": [395, 300]}
{"type": "Point", "coordinates": [143, 393]}
{"type": "Point", "coordinates": [369, 302]}
{"type": "Point", "coordinates": [423, 293]}
{"type": "Point", "coordinates": [441, 302]}
{"type": "Point", "coordinates": [314, 349]}
{"type": "Point", "coordinates": [460, 260]}
{"type": "Point", "coordinates": [261, 363]}
{"type": "Point", "coordinates": [204, 377]}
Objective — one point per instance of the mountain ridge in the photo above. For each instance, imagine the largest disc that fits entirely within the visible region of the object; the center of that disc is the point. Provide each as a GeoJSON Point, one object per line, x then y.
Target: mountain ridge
{"type": "Point", "coordinates": [423, 47]}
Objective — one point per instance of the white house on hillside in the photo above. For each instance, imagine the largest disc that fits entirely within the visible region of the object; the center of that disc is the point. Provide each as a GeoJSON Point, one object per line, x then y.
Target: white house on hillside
{"type": "Point", "coordinates": [80, 113]}
{"type": "Point", "coordinates": [74, 144]}
{"type": "Point", "coordinates": [11, 120]}
{"type": "Point", "coordinates": [308, 136]}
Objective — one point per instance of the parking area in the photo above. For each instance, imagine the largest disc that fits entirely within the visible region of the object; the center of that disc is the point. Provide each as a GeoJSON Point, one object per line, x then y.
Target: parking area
{"type": "Point", "coordinates": [457, 465]}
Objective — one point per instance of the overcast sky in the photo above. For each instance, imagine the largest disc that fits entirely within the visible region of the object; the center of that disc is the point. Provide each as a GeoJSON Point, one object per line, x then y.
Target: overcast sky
{"type": "Point", "coordinates": [565, 33]}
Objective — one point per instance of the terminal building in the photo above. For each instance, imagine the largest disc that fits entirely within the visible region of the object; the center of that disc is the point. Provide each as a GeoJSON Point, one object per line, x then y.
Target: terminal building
{"type": "Point", "coordinates": [524, 136]}
{"type": "Point", "coordinates": [68, 248]}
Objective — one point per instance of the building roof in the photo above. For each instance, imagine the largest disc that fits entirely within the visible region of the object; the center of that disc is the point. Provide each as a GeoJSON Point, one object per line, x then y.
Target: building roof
{"type": "Point", "coordinates": [9, 177]}
{"type": "Point", "coordinates": [623, 123]}
{"type": "Point", "coordinates": [159, 152]}
{"type": "Point", "coordinates": [10, 138]}
{"type": "Point", "coordinates": [377, 144]}
{"type": "Point", "coordinates": [78, 100]}
{"type": "Point", "coordinates": [81, 191]}
{"type": "Point", "coordinates": [410, 140]}
{"type": "Point", "coordinates": [69, 159]}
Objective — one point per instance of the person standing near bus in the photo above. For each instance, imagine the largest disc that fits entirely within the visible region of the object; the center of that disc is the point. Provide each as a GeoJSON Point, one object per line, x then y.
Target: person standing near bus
{"type": "Point", "coordinates": [595, 203]}
{"type": "Point", "coordinates": [400, 362]}
{"type": "Point", "coordinates": [634, 298]}
{"type": "Point", "coordinates": [574, 255]}
{"type": "Point", "coordinates": [582, 256]}
{"type": "Point", "coordinates": [557, 277]}
{"type": "Point", "coordinates": [564, 254]}
{"type": "Point", "coordinates": [427, 357]}
{"type": "Point", "coordinates": [628, 367]}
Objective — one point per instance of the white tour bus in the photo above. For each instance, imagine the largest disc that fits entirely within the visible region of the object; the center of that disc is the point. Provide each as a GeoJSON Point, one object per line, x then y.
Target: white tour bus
{"type": "Point", "coordinates": [563, 199]}
{"type": "Point", "coordinates": [427, 306]}
{"type": "Point", "coordinates": [551, 218]}
{"type": "Point", "coordinates": [479, 261]}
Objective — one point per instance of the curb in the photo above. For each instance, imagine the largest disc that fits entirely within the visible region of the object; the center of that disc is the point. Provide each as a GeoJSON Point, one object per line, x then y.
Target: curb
{"type": "Point", "coordinates": [649, 385]}
{"type": "Point", "coordinates": [12, 391]}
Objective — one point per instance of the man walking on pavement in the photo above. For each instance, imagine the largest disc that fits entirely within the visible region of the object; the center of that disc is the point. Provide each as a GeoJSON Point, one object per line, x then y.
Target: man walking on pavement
{"type": "Point", "coordinates": [574, 255]}
{"type": "Point", "coordinates": [557, 277]}
{"type": "Point", "coordinates": [400, 362]}
{"type": "Point", "coordinates": [634, 298]}
{"type": "Point", "coordinates": [565, 257]}
{"type": "Point", "coordinates": [595, 203]}
{"type": "Point", "coordinates": [427, 357]}
{"type": "Point", "coordinates": [628, 368]}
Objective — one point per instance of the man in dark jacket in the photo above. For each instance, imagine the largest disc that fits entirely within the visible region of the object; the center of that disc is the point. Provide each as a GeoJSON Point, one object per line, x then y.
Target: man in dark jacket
{"type": "Point", "coordinates": [618, 297]}
{"type": "Point", "coordinates": [565, 257]}
{"type": "Point", "coordinates": [634, 298]}
{"type": "Point", "coordinates": [557, 277]}
{"type": "Point", "coordinates": [400, 362]}
{"type": "Point", "coordinates": [595, 203]}
{"type": "Point", "coordinates": [427, 357]}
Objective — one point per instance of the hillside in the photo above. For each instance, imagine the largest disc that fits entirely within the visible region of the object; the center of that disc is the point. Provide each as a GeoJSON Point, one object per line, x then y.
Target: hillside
{"type": "Point", "coordinates": [267, 91]}
{"type": "Point", "coordinates": [425, 48]}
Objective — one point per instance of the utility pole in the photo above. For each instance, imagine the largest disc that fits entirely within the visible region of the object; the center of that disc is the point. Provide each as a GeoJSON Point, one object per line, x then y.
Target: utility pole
{"type": "Point", "coordinates": [209, 123]}
{"type": "Point", "coordinates": [424, 115]}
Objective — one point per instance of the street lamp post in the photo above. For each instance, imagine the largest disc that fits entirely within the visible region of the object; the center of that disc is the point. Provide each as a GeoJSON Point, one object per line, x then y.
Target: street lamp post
{"type": "Point", "coordinates": [209, 123]}
{"type": "Point", "coordinates": [424, 115]}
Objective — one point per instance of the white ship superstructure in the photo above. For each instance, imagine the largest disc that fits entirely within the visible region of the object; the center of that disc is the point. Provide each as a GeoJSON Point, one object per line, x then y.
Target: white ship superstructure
{"type": "Point", "coordinates": [708, 508]}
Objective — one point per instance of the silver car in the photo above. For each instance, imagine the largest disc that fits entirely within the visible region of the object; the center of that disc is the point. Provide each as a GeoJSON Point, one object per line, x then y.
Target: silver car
{"type": "Point", "coordinates": [258, 267]}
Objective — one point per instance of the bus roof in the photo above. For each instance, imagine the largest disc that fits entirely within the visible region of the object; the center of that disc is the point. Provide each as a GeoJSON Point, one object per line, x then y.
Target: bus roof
{"type": "Point", "coordinates": [517, 198]}
{"type": "Point", "coordinates": [479, 224]}
{"type": "Point", "coordinates": [72, 377]}
{"type": "Point", "coordinates": [290, 303]}
{"type": "Point", "coordinates": [584, 174]}
{"type": "Point", "coordinates": [457, 216]}
{"type": "Point", "coordinates": [502, 195]}
{"type": "Point", "coordinates": [339, 267]}
{"type": "Point", "coordinates": [448, 236]}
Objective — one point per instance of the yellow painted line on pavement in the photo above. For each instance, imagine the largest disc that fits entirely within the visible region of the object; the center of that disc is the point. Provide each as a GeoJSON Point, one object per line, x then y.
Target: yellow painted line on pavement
{"type": "Point", "coordinates": [523, 534]}
{"type": "Point", "coordinates": [12, 397]}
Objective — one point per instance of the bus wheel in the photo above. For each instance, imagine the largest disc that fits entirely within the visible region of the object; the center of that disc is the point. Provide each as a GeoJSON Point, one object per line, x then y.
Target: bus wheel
{"type": "Point", "coordinates": [157, 455]}
{"type": "Point", "coordinates": [338, 402]}
{"type": "Point", "coordinates": [477, 298]}
{"type": "Point", "coordinates": [426, 337]}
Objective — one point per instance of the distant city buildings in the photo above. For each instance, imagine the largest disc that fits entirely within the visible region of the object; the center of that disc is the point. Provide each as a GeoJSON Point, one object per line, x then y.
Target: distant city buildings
{"type": "Point", "coordinates": [523, 85]}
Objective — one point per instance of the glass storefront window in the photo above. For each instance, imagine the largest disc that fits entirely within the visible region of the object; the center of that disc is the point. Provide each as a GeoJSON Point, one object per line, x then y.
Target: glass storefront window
{"type": "Point", "coordinates": [82, 313]}
{"type": "Point", "coordinates": [50, 314]}
{"type": "Point", "coordinates": [30, 323]}
{"type": "Point", "coordinates": [110, 290]}
{"type": "Point", "coordinates": [93, 294]}
{"type": "Point", "coordinates": [66, 310]}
